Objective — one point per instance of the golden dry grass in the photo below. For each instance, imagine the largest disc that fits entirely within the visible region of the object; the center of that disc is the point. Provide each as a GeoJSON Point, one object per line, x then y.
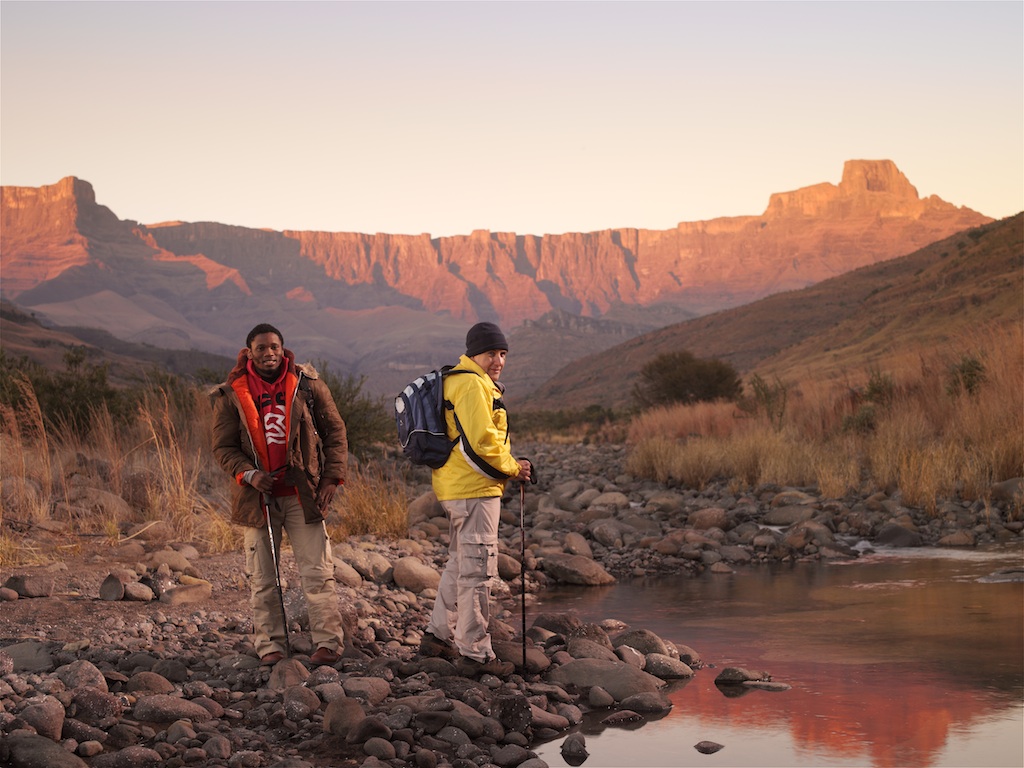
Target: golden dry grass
{"type": "Point", "coordinates": [165, 451]}
{"type": "Point", "coordinates": [908, 428]}
{"type": "Point", "coordinates": [371, 501]}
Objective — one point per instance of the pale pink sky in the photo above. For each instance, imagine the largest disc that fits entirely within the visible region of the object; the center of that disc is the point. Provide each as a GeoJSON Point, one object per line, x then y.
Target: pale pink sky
{"type": "Point", "coordinates": [532, 117]}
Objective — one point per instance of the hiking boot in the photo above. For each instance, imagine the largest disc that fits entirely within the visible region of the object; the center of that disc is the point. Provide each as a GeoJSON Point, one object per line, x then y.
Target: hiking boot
{"type": "Point", "coordinates": [434, 647]}
{"type": "Point", "coordinates": [324, 655]}
{"type": "Point", "coordinates": [471, 667]}
{"type": "Point", "coordinates": [271, 658]}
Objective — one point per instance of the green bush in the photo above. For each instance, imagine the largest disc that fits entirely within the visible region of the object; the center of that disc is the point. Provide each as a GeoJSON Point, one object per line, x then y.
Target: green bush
{"type": "Point", "coordinates": [880, 389]}
{"type": "Point", "coordinates": [965, 377]}
{"type": "Point", "coordinates": [679, 377]}
{"type": "Point", "coordinates": [862, 421]}
{"type": "Point", "coordinates": [368, 420]}
{"type": "Point", "coordinates": [540, 423]}
{"type": "Point", "coordinates": [67, 399]}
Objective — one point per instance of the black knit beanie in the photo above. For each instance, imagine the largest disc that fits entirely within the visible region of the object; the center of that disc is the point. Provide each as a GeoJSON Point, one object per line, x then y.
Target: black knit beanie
{"type": "Point", "coordinates": [483, 337]}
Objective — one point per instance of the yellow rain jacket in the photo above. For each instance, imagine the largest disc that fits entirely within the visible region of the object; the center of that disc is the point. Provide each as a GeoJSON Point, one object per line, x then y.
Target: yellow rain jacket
{"type": "Point", "coordinates": [481, 462]}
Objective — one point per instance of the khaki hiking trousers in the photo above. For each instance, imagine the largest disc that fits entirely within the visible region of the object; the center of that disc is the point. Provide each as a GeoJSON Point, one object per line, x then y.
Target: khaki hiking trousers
{"type": "Point", "coordinates": [312, 550]}
{"type": "Point", "coordinates": [462, 609]}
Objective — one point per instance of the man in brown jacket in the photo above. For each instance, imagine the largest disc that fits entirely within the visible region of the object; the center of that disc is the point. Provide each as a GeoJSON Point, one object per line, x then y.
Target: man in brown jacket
{"type": "Point", "coordinates": [278, 433]}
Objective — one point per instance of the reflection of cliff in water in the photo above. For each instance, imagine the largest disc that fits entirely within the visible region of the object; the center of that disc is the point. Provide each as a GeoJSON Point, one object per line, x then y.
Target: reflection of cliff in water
{"type": "Point", "coordinates": [882, 715]}
{"type": "Point", "coordinates": [890, 658]}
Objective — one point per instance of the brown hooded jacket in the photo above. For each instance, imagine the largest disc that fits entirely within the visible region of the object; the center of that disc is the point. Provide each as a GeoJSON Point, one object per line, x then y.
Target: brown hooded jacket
{"type": "Point", "coordinates": [317, 440]}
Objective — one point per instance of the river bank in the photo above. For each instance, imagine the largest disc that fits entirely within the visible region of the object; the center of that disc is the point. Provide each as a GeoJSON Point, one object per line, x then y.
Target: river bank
{"type": "Point", "coordinates": [171, 679]}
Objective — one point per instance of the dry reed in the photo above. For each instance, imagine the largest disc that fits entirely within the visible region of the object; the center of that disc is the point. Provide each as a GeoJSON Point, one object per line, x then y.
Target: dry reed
{"type": "Point", "coordinates": [927, 429]}
{"type": "Point", "coordinates": [371, 501]}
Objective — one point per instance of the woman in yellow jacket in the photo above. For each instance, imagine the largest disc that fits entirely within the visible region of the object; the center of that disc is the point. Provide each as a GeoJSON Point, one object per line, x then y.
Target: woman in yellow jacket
{"type": "Point", "coordinates": [469, 487]}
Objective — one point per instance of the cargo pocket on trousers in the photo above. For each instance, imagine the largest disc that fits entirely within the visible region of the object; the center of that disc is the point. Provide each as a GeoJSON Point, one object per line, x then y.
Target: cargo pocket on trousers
{"type": "Point", "coordinates": [481, 560]}
{"type": "Point", "coordinates": [251, 561]}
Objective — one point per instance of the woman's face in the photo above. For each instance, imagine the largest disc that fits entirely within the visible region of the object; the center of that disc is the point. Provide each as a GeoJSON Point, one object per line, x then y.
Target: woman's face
{"type": "Point", "coordinates": [492, 362]}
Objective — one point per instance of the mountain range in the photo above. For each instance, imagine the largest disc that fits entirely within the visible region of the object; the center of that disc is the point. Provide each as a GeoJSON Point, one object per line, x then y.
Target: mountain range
{"type": "Point", "coordinates": [880, 317]}
{"type": "Point", "coordinates": [384, 306]}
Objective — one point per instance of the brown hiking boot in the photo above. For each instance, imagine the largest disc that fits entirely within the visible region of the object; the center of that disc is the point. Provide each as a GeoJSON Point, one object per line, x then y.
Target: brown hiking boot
{"type": "Point", "coordinates": [324, 656]}
{"type": "Point", "coordinates": [471, 667]}
{"type": "Point", "coordinates": [434, 647]}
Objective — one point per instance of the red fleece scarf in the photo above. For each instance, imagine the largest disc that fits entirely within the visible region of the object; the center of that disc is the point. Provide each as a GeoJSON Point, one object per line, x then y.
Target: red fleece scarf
{"type": "Point", "coordinates": [267, 409]}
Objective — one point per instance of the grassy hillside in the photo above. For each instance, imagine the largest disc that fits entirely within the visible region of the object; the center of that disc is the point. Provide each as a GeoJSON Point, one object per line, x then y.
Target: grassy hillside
{"type": "Point", "coordinates": [21, 335]}
{"type": "Point", "coordinates": [871, 317]}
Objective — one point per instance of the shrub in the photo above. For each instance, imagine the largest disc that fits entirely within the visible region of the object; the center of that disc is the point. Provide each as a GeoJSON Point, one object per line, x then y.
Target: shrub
{"type": "Point", "coordinates": [368, 421]}
{"type": "Point", "coordinates": [965, 376]}
{"type": "Point", "coordinates": [573, 425]}
{"type": "Point", "coordinates": [768, 399]}
{"type": "Point", "coordinates": [66, 399]}
{"type": "Point", "coordinates": [679, 377]}
{"type": "Point", "coordinates": [880, 389]}
{"type": "Point", "coordinates": [899, 433]}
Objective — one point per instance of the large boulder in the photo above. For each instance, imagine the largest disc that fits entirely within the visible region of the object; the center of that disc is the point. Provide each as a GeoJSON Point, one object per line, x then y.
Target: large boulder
{"type": "Point", "coordinates": [45, 714]}
{"type": "Point", "coordinates": [30, 585]}
{"type": "Point", "coordinates": [576, 544]}
{"type": "Point", "coordinates": [708, 517]}
{"type": "Point", "coordinates": [896, 535]}
{"type": "Point", "coordinates": [423, 508]}
{"type": "Point", "coordinates": [617, 678]}
{"type": "Point", "coordinates": [576, 569]}
{"type": "Point", "coordinates": [610, 532]}
{"type": "Point", "coordinates": [163, 708]}
{"type": "Point", "coordinates": [370, 565]}
{"type": "Point", "coordinates": [644, 641]}
{"type": "Point", "coordinates": [413, 574]}
{"type": "Point", "coordinates": [30, 750]}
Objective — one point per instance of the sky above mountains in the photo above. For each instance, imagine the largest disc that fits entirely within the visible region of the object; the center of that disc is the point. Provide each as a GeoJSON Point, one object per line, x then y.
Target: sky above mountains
{"type": "Point", "coordinates": [532, 117]}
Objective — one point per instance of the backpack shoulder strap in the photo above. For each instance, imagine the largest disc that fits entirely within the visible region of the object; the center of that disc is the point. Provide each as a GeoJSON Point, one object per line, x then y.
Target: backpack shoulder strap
{"type": "Point", "coordinates": [477, 461]}
{"type": "Point", "coordinates": [306, 387]}
{"type": "Point", "coordinates": [443, 403]}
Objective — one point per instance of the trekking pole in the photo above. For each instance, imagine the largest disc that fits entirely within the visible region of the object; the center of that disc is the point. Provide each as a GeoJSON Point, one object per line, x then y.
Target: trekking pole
{"type": "Point", "coordinates": [522, 561]}
{"type": "Point", "coordinates": [277, 572]}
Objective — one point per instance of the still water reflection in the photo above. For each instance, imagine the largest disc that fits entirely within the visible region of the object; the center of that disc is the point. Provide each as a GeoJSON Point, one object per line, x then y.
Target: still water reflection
{"type": "Point", "coordinates": [903, 658]}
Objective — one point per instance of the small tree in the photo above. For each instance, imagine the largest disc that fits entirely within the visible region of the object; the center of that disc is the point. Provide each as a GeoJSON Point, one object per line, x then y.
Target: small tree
{"type": "Point", "coordinates": [679, 377]}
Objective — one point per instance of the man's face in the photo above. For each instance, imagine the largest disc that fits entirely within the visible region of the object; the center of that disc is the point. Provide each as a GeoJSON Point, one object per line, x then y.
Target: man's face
{"type": "Point", "coordinates": [492, 362]}
{"type": "Point", "coordinates": [267, 353]}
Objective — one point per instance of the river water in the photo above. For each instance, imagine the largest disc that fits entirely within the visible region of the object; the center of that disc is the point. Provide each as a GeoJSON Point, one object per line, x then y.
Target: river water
{"type": "Point", "coordinates": [902, 658]}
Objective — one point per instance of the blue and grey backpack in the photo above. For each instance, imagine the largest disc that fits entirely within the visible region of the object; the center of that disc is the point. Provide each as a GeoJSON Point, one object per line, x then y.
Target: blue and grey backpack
{"type": "Point", "coordinates": [419, 416]}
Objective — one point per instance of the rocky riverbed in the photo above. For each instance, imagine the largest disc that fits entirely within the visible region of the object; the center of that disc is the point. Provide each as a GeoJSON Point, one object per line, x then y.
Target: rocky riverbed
{"type": "Point", "coordinates": [139, 655]}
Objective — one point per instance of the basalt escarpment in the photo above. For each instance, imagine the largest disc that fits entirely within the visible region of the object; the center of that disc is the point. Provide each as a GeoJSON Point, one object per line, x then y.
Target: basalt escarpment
{"type": "Point", "coordinates": [351, 297]}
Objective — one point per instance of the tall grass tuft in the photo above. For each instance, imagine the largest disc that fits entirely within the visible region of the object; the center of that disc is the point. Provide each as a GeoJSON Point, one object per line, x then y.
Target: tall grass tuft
{"type": "Point", "coordinates": [837, 467]}
{"type": "Point", "coordinates": [172, 494]}
{"type": "Point", "coordinates": [26, 455]}
{"type": "Point", "coordinates": [372, 501]}
{"type": "Point", "coordinates": [946, 424]}
{"type": "Point", "coordinates": [218, 533]}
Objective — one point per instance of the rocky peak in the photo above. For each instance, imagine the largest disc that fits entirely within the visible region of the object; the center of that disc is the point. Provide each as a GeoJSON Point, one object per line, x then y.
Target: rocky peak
{"type": "Point", "coordinates": [875, 176]}
{"type": "Point", "coordinates": [868, 188]}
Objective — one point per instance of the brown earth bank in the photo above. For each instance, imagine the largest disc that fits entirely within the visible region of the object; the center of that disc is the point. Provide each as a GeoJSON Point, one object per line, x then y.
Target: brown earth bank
{"type": "Point", "coordinates": [137, 652]}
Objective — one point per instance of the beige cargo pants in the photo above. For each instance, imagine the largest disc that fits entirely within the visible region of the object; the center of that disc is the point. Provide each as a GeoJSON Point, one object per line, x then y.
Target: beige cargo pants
{"type": "Point", "coordinates": [312, 550]}
{"type": "Point", "coordinates": [462, 609]}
